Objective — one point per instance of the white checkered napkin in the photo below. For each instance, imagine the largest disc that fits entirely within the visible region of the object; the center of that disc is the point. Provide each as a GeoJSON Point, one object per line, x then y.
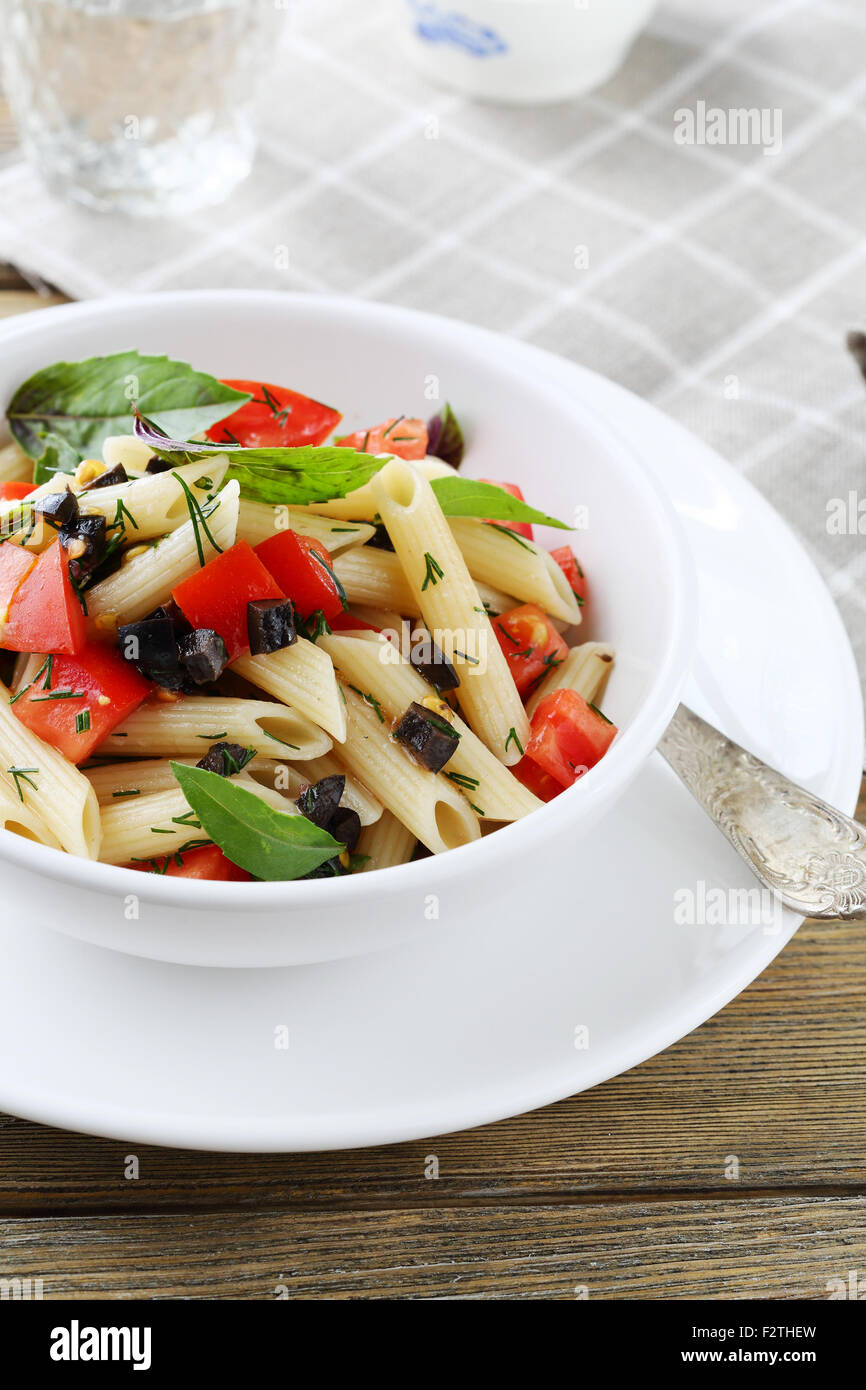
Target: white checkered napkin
{"type": "Point", "coordinates": [713, 278]}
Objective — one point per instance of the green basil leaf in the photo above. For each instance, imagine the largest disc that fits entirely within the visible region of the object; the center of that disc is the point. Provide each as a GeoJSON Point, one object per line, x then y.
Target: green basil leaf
{"type": "Point", "coordinates": [268, 843]}
{"type": "Point", "coordinates": [72, 407]}
{"type": "Point", "coordinates": [468, 497]}
{"type": "Point", "coordinates": [288, 477]}
{"type": "Point", "coordinates": [445, 437]}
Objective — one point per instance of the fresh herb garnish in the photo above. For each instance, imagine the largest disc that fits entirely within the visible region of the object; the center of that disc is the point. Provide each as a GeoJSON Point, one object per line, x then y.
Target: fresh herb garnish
{"type": "Point", "coordinates": [23, 774]}
{"type": "Point", "coordinates": [328, 570]}
{"type": "Point", "coordinates": [47, 667]}
{"type": "Point", "coordinates": [445, 437]}
{"type": "Point", "coordinates": [82, 722]}
{"type": "Point", "coordinates": [59, 695]}
{"type": "Point", "coordinates": [505, 531]}
{"type": "Point", "coordinates": [596, 709]}
{"type": "Point", "coordinates": [64, 413]}
{"type": "Point", "coordinates": [468, 497]}
{"type": "Point", "coordinates": [131, 791]}
{"type": "Point", "coordinates": [467, 784]}
{"type": "Point", "coordinates": [268, 843]}
{"type": "Point", "coordinates": [371, 701]}
{"type": "Point", "coordinates": [512, 736]}
{"type": "Point", "coordinates": [198, 516]}
{"type": "Point", "coordinates": [433, 571]}
{"type": "Point", "coordinates": [287, 477]}
{"type": "Point", "coordinates": [315, 626]}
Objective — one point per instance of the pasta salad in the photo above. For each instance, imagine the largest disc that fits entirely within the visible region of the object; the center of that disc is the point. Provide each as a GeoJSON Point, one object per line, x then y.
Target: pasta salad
{"type": "Point", "coordinates": [234, 650]}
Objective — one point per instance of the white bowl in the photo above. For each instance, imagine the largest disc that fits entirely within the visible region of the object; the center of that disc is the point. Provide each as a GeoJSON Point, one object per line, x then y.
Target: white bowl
{"type": "Point", "coordinates": [373, 361]}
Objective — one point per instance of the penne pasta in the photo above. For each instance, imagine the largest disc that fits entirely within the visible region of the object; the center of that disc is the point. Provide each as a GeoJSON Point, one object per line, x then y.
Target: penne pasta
{"type": "Point", "coordinates": [258, 521]}
{"type": "Point", "coordinates": [376, 578]}
{"type": "Point", "coordinates": [22, 820]}
{"type": "Point", "coordinates": [161, 822]}
{"type": "Point", "coordinates": [386, 843]}
{"type": "Point", "coordinates": [585, 669]}
{"type": "Point", "coordinates": [377, 668]}
{"type": "Point", "coordinates": [425, 802]}
{"type": "Point", "coordinates": [47, 785]}
{"type": "Point", "coordinates": [302, 676]}
{"type": "Point", "coordinates": [360, 505]}
{"type": "Point", "coordinates": [128, 451]}
{"type": "Point", "coordinates": [147, 579]}
{"type": "Point", "coordinates": [156, 504]}
{"type": "Point", "coordinates": [451, 608]}
{"type": "Point", "coordinates": [493, 552]}
{"type": "Point", "coordinates": [188, 726]}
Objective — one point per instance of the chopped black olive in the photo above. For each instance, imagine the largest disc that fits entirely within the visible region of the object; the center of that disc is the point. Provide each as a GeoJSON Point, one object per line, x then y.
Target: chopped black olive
{"type": "Point", "coordinates": [427, 735]}
{"type": "Point", "coordinates": [345, 826]}
{"type": "Point", "coordinates": [225, 758]}
{"type": "Point", "coordinates": [57, 508]}
{"type": "Point", "coordinates": [203, 654]}
{"type": "Point", "coordinates": [433, 664]}
{"type": "Point", "coordinates": [84, 538]}
{"type": "Point", "coordinates": [271, 625]}
{"type": "Point", "coordinates": [110, 478]}
{"type": "Point", "coordinates": [150, 644]}
{"type": "Point", "coordinates": [319, 802]}
{"type": "Point", "coordinates": [170, 609]}
{"type": "Point", "coordinates": [158, 465]}
{"type": "Point", "coordinates": [381, 540]}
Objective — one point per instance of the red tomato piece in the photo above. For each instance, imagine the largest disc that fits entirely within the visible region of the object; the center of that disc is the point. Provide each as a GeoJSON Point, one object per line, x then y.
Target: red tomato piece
{"type": "Point", "coordinates": [347, 622]}
{"type": "Point", "coordinates": [217, 595]}
{"type": "Point", "coordinates": [206, 862]}
{"type": "Point", "coordinates": [89, 695]}
{"type": "Point", "coordinates": [304, 570]}
{"type": "Point", "coordinates": [541, 783]}
{"type": "Point", "coordinates": [15, 565]}
{"type": "Point", "coordinates": [521, 528]}
{"type": "Point", "coordinates": [531, 644]}
{"type": "Point", "coordinates": [275, 417]}
{"type": "Point", "coordinates": [406, 437]}
{"type": "Point", "coordinates": [13, 492]}
{"type": "Point", "coordinates": [45, 615]}
{"type": "Point", "coordinates": [568, 736]}
{"type": "Point", "coordinates": [570, 566]}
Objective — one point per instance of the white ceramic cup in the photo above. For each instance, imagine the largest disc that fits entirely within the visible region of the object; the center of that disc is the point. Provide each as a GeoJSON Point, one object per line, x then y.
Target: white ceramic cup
{"type": "Point", "coordinates": [522, 51]}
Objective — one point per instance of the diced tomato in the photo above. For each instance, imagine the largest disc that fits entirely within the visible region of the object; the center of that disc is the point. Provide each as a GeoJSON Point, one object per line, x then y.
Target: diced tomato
{"type": "Point", "coordinates": [15, 565]}
{"type": "Point", "coordinates": [304, 570]}
{"type": "Point", "coordinates": [87, 696]}
{"type": "Point", "coordinates": [531, 644]}
{"type": "Point", "coordinates": [13, 492]}
{"type": "Point", "coordinates": [206, 862]}
{"type": "Point", "coordinates": [403, 436]}
{"type": "Point", "coordinates": [45, 614]}
{"type": "Point", "coordinates": [568, 736]}
{"type": "Point", "coordinates": [347, 622]}
{"type": "Point", "coordinates": [570, 566]}
{"type": "Point", "coordinates": [541, 783]}
{"type": "Point", "coordinates": [275, 417]}
{"type": "Point", "coordinates": [217, 596]}
{"type": "Point", "coordinates": [521, 528]}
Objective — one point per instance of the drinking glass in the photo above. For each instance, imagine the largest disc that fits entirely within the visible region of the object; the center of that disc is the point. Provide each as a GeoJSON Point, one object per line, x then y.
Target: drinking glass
{"type": "Point", "coordinates": [139, 106]}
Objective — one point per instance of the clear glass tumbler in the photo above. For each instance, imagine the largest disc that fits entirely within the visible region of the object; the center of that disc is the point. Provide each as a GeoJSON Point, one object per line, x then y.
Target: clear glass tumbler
{"type": "Point", "coordinates": [138, 106]}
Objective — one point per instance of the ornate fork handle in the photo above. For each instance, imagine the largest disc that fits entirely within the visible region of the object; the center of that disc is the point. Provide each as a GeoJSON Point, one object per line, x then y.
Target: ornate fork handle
{"type": "Point", "coordinates": [811, 855]}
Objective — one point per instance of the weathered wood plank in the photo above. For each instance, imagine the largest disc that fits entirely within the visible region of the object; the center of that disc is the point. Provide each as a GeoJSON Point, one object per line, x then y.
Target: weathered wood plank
{"type": "Point", "coordinates": [772, 1249]}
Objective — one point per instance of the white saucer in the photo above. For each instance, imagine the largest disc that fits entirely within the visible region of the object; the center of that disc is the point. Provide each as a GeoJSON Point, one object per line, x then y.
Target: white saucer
{"type": "Point", "coordinates": [474, 1024]}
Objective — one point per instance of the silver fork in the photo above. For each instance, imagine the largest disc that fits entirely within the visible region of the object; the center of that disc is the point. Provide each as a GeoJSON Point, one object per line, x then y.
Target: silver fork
{"type": "Point", "coordinates": [809, 854]}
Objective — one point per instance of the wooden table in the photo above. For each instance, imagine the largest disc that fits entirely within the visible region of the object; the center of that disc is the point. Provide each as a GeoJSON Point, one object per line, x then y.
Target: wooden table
{"type": "Point", "coordinates": [621, 1192]}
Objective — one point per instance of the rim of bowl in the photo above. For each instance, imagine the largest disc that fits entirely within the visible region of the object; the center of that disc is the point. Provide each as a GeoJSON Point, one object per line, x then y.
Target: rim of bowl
{"type": "Point", "coordinates": [633, 746]}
